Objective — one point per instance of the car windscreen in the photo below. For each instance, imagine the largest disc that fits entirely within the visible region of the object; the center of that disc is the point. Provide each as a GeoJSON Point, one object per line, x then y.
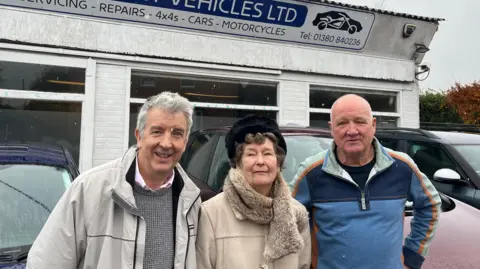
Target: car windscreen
{"type": "Point", "coordinates": [298, 149]}
{"type": "Point", "coordinates": [471, 153]}
{"type": "Point", "coordinates": [28, 193]}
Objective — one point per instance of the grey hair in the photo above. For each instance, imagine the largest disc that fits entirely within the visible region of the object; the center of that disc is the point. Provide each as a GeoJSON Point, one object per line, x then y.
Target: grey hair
{"type": "Point", "coordinates": [169, 101]}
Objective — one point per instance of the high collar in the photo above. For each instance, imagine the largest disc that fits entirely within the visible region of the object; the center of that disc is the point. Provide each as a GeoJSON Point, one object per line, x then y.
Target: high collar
{"type": "Point", "coordinates": [141, 182]}
{"type": "Point", "coordinates": [125, 178]}
{"type": "Point", "coordinates": [382, 159]}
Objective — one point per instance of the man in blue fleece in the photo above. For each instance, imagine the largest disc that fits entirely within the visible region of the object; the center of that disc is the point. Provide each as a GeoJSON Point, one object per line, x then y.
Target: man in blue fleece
{"type": "Point", "coordinates": [356, 193]}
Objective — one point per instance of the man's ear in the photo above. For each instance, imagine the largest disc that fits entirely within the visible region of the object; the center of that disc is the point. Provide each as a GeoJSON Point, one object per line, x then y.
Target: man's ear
{"type": "Point", "coordinates": [138, 137]}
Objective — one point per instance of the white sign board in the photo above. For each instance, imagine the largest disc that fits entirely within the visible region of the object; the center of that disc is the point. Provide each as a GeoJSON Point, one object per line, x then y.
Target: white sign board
{"type": "Point", "coordinates": [285, 20]}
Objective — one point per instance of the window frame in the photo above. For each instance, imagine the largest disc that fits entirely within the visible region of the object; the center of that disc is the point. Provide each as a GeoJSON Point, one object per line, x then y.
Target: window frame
{"type": "Point", "coordinates": [345, 90]}
{"type": "Point", "coordinates": [226, 74]}
{"type": "Point", "coordinates": [87, 99]}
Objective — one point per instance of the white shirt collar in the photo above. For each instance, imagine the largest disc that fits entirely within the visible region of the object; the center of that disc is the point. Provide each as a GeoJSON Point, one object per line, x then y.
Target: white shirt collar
{"type": "Point", "coordinates": [141, 182]}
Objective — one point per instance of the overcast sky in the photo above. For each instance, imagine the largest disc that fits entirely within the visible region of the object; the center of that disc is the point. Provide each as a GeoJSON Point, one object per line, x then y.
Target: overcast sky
{"type": "Point", "coordinates": [454, 54]}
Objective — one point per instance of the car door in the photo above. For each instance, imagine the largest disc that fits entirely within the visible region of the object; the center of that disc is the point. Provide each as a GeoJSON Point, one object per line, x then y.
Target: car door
{"type": "Point", "coordinates": [430, 157]}
{"type": "Point", "coordinates": [197, 160]}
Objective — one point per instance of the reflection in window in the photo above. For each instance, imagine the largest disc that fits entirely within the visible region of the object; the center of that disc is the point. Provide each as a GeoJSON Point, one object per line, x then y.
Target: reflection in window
{"type": "Point", "coordinates": [46, 122]}
{"type": "Point", "coordinates": [203, 118]}
{"type": "Point", "coordinates": [44, 78]}
{"type": "Point", "coordinates": [206, 90]}
{"type": "Point", "coordinates": [381, 102]}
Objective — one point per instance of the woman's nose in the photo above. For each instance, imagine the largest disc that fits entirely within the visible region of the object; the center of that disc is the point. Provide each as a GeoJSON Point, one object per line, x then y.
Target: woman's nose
{"type": "Point", "coordinates": [260, 160]}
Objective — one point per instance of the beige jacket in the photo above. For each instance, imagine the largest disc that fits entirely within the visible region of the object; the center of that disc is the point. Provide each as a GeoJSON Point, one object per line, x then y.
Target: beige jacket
{"type": "Point", "coordinates": [96, 223]}
{"type": "Point", "coordinates": [225, 242]}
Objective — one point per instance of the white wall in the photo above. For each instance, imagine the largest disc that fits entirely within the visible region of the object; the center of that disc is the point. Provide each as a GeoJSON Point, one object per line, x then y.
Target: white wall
{"type": "Point", "coordinates": [411, 108]}
{"type": "Point", "coordinates": [110, 113]}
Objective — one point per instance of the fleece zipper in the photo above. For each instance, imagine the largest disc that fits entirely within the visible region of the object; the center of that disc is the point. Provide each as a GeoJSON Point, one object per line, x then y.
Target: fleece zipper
{"type": "Point", "coordinates": [363, 200]}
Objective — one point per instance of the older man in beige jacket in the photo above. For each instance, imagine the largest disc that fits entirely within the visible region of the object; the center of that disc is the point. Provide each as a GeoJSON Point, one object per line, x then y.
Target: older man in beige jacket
{"type": "Point", "coordinates": [139, 211]}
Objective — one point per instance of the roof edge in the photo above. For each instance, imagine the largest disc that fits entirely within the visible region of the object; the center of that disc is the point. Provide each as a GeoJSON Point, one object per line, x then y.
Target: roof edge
{"type": "Point", "coordinates": [381, 11]}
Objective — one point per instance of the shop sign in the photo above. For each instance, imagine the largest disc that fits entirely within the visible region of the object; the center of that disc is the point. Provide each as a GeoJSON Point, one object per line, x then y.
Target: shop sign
{"type": "Point", "coordinates": [285, 20]}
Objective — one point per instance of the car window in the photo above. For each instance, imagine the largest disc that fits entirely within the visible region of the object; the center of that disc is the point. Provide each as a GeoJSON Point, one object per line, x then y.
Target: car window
{"type": "Point", "coordinates": [471, 154]}
{"type": "Point", "coordinates": [220, 166]}
{"type": "Point", "coordinates": [197, 158]}
{"type": "Point", "coordinates": [298, 149]}
{"type": "Point", "coordinates": [28, 194]}
{"type": "Point", "coordinates": [430, 157]}
{"type": "Point", "coordinates": [389, 143]}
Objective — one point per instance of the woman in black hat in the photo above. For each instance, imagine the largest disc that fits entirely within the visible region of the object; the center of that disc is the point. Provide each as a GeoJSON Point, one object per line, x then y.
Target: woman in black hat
{"type": "Point", "coordinates": [255, 222]}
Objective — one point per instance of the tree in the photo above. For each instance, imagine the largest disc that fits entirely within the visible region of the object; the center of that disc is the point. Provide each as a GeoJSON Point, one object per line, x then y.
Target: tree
{"type": "Point", "coordinates": [435, 108]}
{"type": "Point", "coordinates": [466, 101]}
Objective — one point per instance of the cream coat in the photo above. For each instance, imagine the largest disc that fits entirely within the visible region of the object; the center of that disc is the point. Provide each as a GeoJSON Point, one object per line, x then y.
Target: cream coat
{"type": "Point", "coordinates": [224, 242]}
{"type": "Point", "coordinates": [96, 224]}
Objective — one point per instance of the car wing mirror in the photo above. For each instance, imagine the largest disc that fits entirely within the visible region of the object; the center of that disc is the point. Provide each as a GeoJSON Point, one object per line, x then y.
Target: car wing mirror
{"type": "Point", "coordinates": [408, 208]}
{"type": "Point", "coordinates": [447, 175]}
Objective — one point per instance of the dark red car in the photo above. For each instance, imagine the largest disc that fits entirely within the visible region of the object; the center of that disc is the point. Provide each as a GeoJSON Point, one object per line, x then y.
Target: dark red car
{"type": "Point", "coordinates": [457, 239]}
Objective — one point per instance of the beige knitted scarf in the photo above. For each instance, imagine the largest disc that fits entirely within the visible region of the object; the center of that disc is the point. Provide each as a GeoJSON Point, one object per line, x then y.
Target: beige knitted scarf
{"type": "Point", "coordinates": [285, 221]}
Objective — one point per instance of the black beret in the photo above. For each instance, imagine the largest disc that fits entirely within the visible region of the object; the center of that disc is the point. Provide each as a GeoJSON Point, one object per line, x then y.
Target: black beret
{"type": "Point", "coordinates": [252, 124]}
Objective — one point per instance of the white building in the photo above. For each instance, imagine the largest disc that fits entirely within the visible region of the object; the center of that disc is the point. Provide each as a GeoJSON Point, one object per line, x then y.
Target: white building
{"type": "Point", "coordinates": [74, 72]}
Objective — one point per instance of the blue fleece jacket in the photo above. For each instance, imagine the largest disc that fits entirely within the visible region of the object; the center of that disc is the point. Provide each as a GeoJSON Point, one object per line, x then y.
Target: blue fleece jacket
{"type": "Point", "coordinates": [363, 229]}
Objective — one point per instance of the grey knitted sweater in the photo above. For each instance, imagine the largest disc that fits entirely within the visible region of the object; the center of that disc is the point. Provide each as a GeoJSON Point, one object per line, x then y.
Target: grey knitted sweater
{"type": "Point", "coordinates": [156, 208]}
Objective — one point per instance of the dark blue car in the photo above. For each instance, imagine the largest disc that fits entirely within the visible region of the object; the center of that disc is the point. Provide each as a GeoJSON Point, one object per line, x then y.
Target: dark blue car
{"type": "Point", "coordinates": [32, 180]}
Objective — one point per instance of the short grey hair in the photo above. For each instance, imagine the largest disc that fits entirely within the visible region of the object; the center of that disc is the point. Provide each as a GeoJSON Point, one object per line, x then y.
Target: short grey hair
{"type": "Point", "coordinates": [169, 101]}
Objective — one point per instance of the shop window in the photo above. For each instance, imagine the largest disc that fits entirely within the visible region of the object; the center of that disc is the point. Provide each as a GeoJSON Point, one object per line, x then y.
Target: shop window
{"type": "Point", "coordinates": [324, 98]}
{"type": "Point", "coordinates": [44, 78]}
{"type": "Point", "coordinates": [386, 122]}
{"type": "Point", "coordinates": [202, 118]}
{"type": "Point", "coordinates": [205, 90]}
{"type": "Point", "coordinates": [319, 120]}
{"type": "Point", "coordinates": [45, 122]}
{"type": "Point", "coordinates": [383, 104]}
